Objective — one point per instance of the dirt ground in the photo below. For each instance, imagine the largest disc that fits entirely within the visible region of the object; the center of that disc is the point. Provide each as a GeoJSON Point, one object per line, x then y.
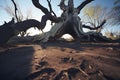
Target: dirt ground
{"type": "Point", "coordinates": [60, 60]}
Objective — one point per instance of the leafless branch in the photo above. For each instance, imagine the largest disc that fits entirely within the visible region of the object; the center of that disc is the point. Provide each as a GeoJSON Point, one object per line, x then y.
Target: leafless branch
{"type": "Point", "coordinates": [85, 26]}
{"type": "Point", "coordinates": [38, 5]}
{"type": "Point", "coordinates": [83, 4]}
{"type": "Point", "coordinates": [48, 15]}
{"type": "Point", "coordinates": [15, 10]}
{"type": "Point", "coordinates": [49, 4]}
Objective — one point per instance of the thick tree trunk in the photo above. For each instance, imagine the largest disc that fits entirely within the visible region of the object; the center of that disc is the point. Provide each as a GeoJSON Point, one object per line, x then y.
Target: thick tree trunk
{"type": "Point", "coordinates": [10, 29]}
{"type": "Point", "coordinates": [68, 23]}
{"type": "Point", "coordinates": [26, 24]}
{"type": "Point", "coordinates": [71, 24]}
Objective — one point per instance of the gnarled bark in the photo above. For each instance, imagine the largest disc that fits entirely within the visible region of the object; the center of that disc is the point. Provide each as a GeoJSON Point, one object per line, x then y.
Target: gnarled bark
{"type": "Point", "coordinates": [71, 23]}
{"type": "Point", "coordinates": [26, 24]}
{"type": "Point", "coordinates": [11, 28]}
{"type": "Point", "coordinates": [68, 23]}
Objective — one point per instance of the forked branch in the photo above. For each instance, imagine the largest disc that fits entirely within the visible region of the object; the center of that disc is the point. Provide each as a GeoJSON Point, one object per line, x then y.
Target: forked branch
{"type": "Point", "coordinates": [48, 15]}
{"type": "Point", "coordinates": [49, 4]}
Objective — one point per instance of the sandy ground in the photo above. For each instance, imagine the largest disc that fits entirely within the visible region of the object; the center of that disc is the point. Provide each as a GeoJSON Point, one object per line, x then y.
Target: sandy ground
{"type": "Point", "coordinates": [60, 61]}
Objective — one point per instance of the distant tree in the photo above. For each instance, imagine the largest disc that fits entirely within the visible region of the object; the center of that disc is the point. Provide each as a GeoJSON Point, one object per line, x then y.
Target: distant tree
{"type": "Point", "coordinates": [115, 15]}
{"type": "Point", "coordinates": [94, 16]}
{"type": "Point", "coordinates": [17, 14]}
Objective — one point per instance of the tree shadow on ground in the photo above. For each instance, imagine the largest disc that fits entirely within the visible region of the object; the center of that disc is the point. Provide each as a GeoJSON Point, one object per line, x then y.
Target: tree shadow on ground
{"type": "Point", "coordinates": [62, 44]}
{"type": "Point", "coordinates": [76, 45]}
{"type": "Point", "coordinates": [89, 44]}
{"type": "Point", "coordinates": [15, 64]}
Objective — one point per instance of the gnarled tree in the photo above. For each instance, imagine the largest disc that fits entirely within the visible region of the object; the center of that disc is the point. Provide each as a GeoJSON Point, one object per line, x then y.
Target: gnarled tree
{"type": "Point", "coordinates": [68, 23]}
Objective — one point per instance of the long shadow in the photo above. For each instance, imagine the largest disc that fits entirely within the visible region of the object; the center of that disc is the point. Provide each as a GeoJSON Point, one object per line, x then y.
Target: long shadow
{"type": "Point", "coordinates": [15, 64]}
{"type": "Point", "coordinates": [78, 45]}
{"type": "Point", "coordinates": [114, 45]}
{"type": "Point", "coordinates": [63, 44]}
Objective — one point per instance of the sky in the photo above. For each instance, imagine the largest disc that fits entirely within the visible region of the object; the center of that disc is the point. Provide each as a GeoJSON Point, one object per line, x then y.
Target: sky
{"type": "Point", "coordinates": [27, 7]}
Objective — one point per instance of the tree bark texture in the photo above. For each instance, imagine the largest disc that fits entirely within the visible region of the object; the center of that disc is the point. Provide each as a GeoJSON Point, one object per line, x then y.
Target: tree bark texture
{"type": "Point", "coordinates": [68, 23]}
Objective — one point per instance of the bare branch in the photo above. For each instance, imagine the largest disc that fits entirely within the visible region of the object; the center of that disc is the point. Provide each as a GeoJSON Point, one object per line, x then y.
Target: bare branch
{"type": "Point", "coordinates": [83, 4]}
{"type": "Point", "coordinates": [104, 21]}
{"type": "Point", "coordinates": [49, 4]}
{"type": "Point", "coordinates": [15, 10]}
{"type": "Point", "coordinates": [48, 15]}
{"type": "Point", "coordinates": [38, 5]}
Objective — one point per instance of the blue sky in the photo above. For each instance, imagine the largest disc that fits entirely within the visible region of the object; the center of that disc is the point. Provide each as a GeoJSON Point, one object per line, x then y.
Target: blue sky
{"type": "Point", "coordinates": [27, 7]}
